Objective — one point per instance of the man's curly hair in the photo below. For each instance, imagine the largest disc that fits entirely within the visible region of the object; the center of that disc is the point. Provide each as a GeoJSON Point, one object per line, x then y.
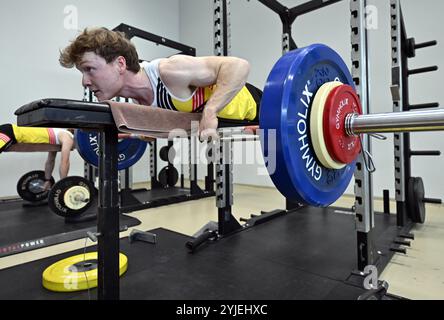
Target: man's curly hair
{"type": "Point", "coordinates": [105, 43]}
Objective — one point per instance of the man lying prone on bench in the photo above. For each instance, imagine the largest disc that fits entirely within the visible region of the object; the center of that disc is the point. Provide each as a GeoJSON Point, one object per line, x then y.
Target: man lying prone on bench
{"type": "Point", "coordinates": [213, 86]}
{"type": "Point", "coordinates": [12, 135]}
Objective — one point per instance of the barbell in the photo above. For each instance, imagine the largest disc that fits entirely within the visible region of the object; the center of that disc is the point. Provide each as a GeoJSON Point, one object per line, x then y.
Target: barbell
{"type": "Point", "coordinates": [311, 109]}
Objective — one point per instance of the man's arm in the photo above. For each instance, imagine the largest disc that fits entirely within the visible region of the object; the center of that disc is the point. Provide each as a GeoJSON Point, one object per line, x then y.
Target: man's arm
{"type": "Point", "coordinates": [67, 143]}
{"type": "Point", "coordinates": [229, 74]}
{"type": "Point", "coordinates": [49, 167]}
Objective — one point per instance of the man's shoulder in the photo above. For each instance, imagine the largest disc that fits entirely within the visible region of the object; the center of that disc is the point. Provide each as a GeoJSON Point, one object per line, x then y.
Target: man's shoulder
{"type": "Point", "coordinates": [63, 133]}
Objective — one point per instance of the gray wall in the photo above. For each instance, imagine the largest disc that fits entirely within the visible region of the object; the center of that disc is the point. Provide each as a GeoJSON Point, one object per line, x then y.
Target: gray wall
{"type": "Point", "coordinates": [33, 32]}
{"type": "Point", "coordinates": [256, 33]}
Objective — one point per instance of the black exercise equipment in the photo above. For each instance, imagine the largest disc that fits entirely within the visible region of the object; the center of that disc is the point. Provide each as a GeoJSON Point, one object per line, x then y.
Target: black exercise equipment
{"type": "Point", "coordinates": [145, 236]}
{"type": "Point", "coordinates": [97, 116]}
{"type": "Point", "coordinates": [158, 194]}
{"type": "Point", "coordinates": [168, 176]}
{"type": "Point", "coordinates": [163, 192]}
{"type": "Point", "coordinates": [409, 209]}
{"type": "Point", "coordinates": [416, 200]}
{"type": "Point", "coordinates": [71, 196]}
{"type": "Point", "coordinates": [376, 294]}
{"type": "Point", "coordinates": [30, 186]}
{"type": "Point", "coordinates": [133, 32]}
{"type": "Point", "coordinates": [167, 152]}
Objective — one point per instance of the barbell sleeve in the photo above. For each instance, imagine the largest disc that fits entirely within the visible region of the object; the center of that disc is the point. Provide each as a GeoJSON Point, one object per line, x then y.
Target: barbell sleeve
{"type": "Point", "coordinates": [408, 121]}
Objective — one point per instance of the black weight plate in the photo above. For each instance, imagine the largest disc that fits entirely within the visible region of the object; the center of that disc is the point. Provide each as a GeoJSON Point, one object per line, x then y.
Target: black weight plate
{"type": "Point", "coordinates": [29, 186]}
{"type": "Point", "coordinates": [56, 197]}
{"type": "Point", "coordinates": [163, 153]}
{"type": "Point", "coordinates": [168, 177]}
{"type": "Point", "coordinates": [415, 203]}
{"type": "Point", "coordinates": [167, 152]}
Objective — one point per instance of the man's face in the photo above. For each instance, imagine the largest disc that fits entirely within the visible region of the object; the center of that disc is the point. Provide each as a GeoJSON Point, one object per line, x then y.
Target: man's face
{"type": "Point", "coordinates": [102, 78]}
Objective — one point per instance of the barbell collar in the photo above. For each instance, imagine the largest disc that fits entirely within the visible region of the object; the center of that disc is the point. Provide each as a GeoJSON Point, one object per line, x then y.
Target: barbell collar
{"type": "Point", "coordinates": [408, 121]}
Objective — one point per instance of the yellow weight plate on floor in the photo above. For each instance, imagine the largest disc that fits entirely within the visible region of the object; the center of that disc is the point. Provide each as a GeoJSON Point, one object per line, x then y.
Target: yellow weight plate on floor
{"type": "Point", "coordinates": [76, 273]}
{"type": "Point", "coordinates": [317, 128]}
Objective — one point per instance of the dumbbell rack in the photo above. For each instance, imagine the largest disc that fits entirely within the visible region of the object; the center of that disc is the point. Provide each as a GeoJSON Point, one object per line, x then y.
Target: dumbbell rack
{"type": "Point", "coordinates": [404, 48]}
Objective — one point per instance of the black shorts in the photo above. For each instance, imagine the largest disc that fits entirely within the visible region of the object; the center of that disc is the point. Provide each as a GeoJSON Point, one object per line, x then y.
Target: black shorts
{"type": "Point", "coordinates": [257, 96]}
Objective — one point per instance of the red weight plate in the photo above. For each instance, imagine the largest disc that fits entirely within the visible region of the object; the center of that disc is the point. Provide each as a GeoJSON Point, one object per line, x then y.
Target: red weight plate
{"type": "Point", "coordinates": [341, 101]}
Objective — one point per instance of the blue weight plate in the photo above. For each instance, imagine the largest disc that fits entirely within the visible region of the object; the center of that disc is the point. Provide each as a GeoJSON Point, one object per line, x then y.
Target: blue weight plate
{"type": "Point", "coordinates": [130, 150]}
{"type": "Point", "coordinates": [285, 107]}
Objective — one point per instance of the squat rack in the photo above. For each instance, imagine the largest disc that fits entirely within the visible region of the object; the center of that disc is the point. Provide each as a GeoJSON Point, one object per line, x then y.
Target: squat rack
{"type": "Point", "coordinates": [404, 48]}
{"type": "Point", "coordinates": [401, 49]}
{"type": "Point", "coordinates": [363, 183]}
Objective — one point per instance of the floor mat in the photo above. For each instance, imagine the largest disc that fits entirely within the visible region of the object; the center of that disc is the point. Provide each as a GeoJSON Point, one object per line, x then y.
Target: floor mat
{"type": "Point", "coordinates": [25, 228]}
{"type": "Point", "coordinates": [307, 254]}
